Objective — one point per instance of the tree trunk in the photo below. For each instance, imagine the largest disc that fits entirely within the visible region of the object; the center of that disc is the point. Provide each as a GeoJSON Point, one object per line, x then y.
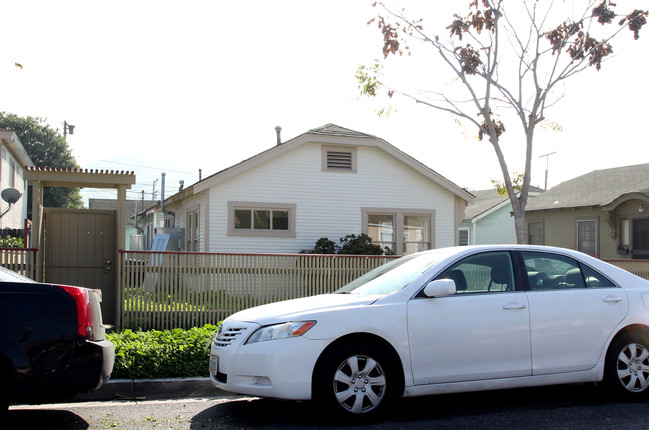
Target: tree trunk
{"type": "Point", "coordinates": [519, 220]}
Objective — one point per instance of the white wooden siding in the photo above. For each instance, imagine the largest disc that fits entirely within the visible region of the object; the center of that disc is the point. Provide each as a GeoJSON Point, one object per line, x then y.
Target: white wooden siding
{"type": "Point", "coordinates": [328, 204]}
{"type": "Point", "coordinates": [195, 202]}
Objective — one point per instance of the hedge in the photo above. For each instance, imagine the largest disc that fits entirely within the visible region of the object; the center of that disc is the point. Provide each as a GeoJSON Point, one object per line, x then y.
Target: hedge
{"type": "Point", "coordinates": [162, 354]}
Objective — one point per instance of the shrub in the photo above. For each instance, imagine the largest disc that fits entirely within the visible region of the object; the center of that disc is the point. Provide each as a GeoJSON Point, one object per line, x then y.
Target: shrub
{"type": "Point", "coordinates": [11, 242]}
{"type": "Point", "coordinates": [162, 354]}
{"type": "Point", "coordinates": [350, 244]}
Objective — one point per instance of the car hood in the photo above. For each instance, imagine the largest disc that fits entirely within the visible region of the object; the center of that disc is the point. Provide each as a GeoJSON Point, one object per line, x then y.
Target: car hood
{"type": "Point", "coordinates": [301, 308]}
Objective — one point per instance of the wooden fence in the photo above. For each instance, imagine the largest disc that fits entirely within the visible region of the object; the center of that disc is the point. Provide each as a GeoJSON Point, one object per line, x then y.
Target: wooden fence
{"type": "Point", "coordinates": [637, 267]}
{"type": "Point", "coordinates": [20, 260]}
{"type": "Point", "coordinates": [165, 290]}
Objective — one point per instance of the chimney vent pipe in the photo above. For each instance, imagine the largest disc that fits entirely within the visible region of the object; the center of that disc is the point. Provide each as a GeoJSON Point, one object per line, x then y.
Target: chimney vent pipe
{"type": "Point", "coordinates": [278, 129]}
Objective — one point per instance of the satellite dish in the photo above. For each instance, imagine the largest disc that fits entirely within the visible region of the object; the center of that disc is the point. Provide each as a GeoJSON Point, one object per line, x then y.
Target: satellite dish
{"type": "Point", "coordinates": [10, 195]}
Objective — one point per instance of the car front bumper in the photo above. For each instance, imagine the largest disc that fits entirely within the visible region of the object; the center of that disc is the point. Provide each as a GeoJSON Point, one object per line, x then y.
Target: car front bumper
{"type": "Point", "coordinates": [281, 368]}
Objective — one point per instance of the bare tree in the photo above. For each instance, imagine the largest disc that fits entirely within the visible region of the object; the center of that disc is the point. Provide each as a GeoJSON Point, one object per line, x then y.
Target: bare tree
{"type": "Point", "coordinates": [507, 60]}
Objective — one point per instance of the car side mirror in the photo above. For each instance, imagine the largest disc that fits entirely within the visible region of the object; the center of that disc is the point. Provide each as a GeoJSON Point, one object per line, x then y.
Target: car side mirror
{"type": "Point", "coordinates": [440, 288]}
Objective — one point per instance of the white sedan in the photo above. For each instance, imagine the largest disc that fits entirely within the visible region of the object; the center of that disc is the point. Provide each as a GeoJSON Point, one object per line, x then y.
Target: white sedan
{"type": "Point", "coordinates": [445, 321]}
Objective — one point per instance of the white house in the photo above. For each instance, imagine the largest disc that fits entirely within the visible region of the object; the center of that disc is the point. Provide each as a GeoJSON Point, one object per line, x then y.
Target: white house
{"type": "Point", "coordinates": [12, 170]}
{"type": "Point", "coordinates": [327, 182]}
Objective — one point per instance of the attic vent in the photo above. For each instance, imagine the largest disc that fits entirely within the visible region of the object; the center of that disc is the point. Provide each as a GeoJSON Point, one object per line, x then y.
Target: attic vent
{"type": "Point", "coordinates": [337, 160]}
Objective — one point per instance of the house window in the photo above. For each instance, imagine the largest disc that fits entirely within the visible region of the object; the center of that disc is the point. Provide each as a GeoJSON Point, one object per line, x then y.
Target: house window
{"type": "Point", "coordinates": [463, 237]}
{"type": "Point", "coordinates": [192, 226]}
{"type": "Point", "coordinates": [380, 227]}
{"type": "Point", "coordinates": [535, 233]}
{"type": "Point", "coordinates": [338, 159]}
{"type": "Point", "coordinates": [416, 233]}
{"type": "Point", "coordinates": [404, 231]}
{"type": "Point", "coordinates": [261, 219]}
{"type": "Point", "coordinates": [587, 237]}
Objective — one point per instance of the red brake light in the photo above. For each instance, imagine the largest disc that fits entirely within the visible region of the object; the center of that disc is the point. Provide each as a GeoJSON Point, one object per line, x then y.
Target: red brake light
{"type": "Point", "coordinates": [85, 318]}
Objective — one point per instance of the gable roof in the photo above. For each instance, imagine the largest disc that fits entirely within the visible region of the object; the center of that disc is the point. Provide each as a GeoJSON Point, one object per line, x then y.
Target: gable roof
{"type": "Point", "coordinates": [10, 139]}
{"type": "Point", "coordinates": [487, 201]}
{"type": "Point", "coordinates": [336, 135]}
{"type": "Point", "coordinates": [111, 204]}
{"type": "Point", "coordinates": [597, 188]}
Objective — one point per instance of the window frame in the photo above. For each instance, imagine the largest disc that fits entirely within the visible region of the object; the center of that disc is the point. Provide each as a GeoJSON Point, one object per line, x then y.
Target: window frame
{"type": "Point", "coordinates": [459, 236]}
{"type": "Point", "coordinates": [541, 225]}
{"type": "Point", "coordinates": [260, 206]}
{"type": "Point", "coordinates": [399, 215]}
{"type": "Point", "coordinates": [596, 235]}
{"type": "Point", "coordinates": [192, 227]}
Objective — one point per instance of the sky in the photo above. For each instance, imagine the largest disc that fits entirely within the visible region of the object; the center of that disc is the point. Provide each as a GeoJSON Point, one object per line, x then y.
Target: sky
{"type": "Point", "coordinates": [198, 86]}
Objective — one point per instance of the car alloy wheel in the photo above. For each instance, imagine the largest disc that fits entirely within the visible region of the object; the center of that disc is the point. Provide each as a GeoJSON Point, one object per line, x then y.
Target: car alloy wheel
{"type": "Point", "coordinates": [626, 374]}
{"type": "Point", "coordinates": [633, 367]}
{"type": "Point", "coordinates": [357, 380]}
{"type": "Point", "coordinates": [359, 384]}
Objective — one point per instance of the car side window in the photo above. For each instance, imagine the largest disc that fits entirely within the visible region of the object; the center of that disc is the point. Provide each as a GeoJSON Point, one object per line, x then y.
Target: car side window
{"type": "Point", "coordinates": [557, 272]}
{"type": "Point", "coordinates": [595, 279]}
{"type": "Point", "coordinates": [482, 273]}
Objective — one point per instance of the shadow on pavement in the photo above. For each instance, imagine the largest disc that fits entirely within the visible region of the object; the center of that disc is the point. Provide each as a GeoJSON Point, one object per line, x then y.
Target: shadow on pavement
{"type": "Point", "coordinates": [487, 409]}
{"type": "Point", "coordinates": [43, 419]}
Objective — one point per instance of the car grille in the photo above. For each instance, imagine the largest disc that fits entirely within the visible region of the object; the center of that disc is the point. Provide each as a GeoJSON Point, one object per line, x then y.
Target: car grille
{"type": "Point", "coordinates": [227, 336]}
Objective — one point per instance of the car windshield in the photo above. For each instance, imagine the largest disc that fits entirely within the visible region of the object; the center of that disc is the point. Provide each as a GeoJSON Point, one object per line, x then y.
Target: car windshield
{"type": "Point", "coordinates": [392, 276]}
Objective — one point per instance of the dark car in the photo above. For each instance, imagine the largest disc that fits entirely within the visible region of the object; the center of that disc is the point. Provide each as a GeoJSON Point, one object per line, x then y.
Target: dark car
{"type": "Point", "coordinates": [52, 341]}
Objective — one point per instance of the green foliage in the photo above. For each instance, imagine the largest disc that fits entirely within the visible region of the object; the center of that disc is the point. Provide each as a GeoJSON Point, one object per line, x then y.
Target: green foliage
{"type": "Point", "coordinates": [46, 148]}
{"type": "Point", "coordinates": [162, 354]}
{"type": "Point", "coordinates": [322, 246]}
{"type": "Point", "coordinates": [358, 245]}
{"type": "Point", "coordinates": [517, 183]}
{"type": "Point", "coordinates": [368, 78]}
{"type": "Point", "coordinates": [350, 245]}
{"type": "Point", "coordinates": [12, 242]}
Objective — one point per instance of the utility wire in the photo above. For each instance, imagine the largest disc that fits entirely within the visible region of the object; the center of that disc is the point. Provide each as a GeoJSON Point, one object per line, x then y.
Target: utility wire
{"type": "Point", "coordinates": [147, 167]}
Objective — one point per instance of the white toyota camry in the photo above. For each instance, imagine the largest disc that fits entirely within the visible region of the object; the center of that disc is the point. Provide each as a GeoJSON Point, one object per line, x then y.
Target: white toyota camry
{"type": "Point", "coordinates": [444, 321]}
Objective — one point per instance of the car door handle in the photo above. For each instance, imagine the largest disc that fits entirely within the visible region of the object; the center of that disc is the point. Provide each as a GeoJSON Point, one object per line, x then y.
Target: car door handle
{"type": "Point", "coordinates": [612, 299]}
{"type": "Point", "coordinates": [514, 306]}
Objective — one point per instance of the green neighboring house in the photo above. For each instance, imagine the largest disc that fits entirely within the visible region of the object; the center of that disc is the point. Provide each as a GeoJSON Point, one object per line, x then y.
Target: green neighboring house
{"type": "Point", "coordinates": [602, 213]}
{"type": "Point", "coordinates": [488, 220]}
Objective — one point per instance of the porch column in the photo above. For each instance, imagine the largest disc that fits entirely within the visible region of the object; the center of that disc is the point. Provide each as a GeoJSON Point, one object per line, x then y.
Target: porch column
{"type": "Point", "coordinates": [37, 227]}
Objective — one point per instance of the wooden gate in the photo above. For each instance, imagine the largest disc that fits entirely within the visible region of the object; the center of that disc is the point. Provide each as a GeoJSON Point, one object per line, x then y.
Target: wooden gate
{"type": "Point", "coordinates": [80, 250]}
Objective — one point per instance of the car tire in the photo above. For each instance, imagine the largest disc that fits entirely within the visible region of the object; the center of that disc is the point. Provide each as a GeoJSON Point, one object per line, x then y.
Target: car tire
{"type": "Point", "coordinates": [358, 381]}
{"type": "Point", "coordinates": [4, 392]}
{"type": "Point", "coordinates": [626, 372]}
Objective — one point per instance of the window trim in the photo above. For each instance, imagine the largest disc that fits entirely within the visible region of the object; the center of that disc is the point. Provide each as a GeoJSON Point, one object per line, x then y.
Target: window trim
{"type": "Point", "coordinates": [399, 214]}
{"type": "Point", "coordinates": [468, 236]}
{"type": "Point", "coordinates": [290, 207]}
{"type": "Point", "coordinates": [193, 229]}
{"type": "Point", "coordinates": [325, 149]}
{"type": "Point", "coordinates": [584, 220]}
{"type": "Point", "coordinates": [529, 236]}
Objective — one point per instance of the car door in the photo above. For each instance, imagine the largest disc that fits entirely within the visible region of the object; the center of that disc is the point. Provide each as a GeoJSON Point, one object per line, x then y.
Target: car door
{"type": "Point", "coordinates": [573, 311]}
{"type": "Point", "coordinates": [481, 332]}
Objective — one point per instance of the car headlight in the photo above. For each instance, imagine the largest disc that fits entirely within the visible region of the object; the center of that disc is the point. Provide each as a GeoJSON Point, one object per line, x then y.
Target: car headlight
{"type": "Point", "coordinates": [281, 331]}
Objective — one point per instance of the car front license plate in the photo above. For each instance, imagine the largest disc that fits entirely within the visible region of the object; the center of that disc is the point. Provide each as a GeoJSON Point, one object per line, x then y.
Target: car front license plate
{"type": "Point", "coordinates": [214, 364]}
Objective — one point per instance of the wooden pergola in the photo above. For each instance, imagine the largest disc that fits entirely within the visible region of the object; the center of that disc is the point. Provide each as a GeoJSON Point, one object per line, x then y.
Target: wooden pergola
{"type": "Point", "coordinates": [41, 177]}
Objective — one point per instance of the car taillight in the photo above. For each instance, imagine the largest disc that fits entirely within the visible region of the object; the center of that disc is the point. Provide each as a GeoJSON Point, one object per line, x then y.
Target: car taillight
{"type": "Point", "coordinates": [85, 317]}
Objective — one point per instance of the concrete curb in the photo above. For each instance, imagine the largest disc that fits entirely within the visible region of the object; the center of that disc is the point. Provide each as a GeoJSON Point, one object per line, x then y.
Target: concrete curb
{"type": "Point", "coordinates": [151, 389]}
